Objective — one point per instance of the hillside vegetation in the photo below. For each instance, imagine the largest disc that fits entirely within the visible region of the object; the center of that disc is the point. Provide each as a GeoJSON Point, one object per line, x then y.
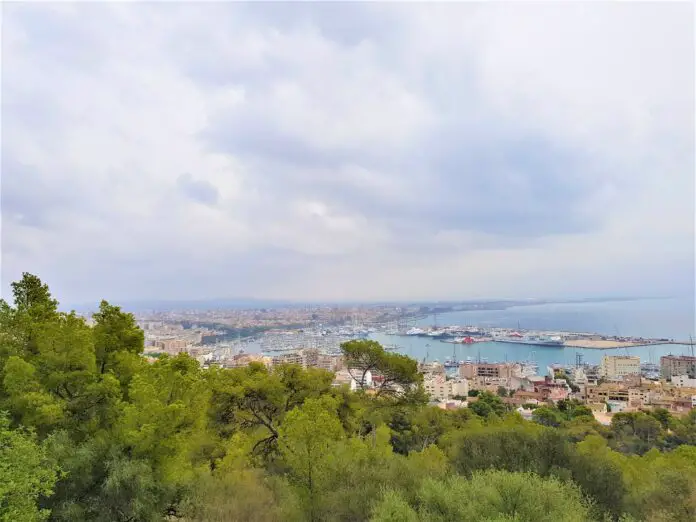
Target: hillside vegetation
{"type": "Point", "coordinates": [89, 430]}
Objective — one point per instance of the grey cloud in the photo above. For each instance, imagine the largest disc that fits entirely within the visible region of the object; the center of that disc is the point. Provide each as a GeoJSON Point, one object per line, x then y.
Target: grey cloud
{"type": "Point", "coordinates": [198, 190]}
{"type": "Point", "coordinates": [476, 167]}
{"type": "Point", "coordinates": [29, 198]}
{"type": "Point", "coordinates": [508, 186]}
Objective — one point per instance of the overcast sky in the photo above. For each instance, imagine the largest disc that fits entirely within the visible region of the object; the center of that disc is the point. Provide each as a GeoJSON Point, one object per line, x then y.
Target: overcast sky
{"type": "Point", "coordinates": [362, 151]}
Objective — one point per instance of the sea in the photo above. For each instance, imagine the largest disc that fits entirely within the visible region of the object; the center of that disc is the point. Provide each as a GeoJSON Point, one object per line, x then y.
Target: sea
{"type": "Point", "coordinates": [673, 318]}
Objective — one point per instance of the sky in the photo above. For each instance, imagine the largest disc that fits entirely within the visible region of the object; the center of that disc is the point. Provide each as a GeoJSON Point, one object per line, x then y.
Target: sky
{"type": "Point", "coordinates": [363, 151]}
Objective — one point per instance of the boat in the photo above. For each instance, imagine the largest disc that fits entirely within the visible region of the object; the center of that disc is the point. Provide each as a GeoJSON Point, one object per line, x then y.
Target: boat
{"type": "Point", "coordinates": [415, 331]}
{"type": "Point", "coordinates": [531, 339]}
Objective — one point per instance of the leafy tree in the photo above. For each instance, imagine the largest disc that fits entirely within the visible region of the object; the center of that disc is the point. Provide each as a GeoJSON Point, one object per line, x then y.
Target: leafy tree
{"type": "Point", "coordinates": [520, 446]}
{"type": "Point", "coordinates": [256, 399]}
{"type": "Point", "coordinates": [33, 297]}
{"type": "Point", "coordinates": [487, 405]}
{"type": "Point", "coordinates": [240, 494]}
{"type": "Point", "coordinates": [118, 342]}
{"type": "Point", "coordinates": [635, 432]}
{"type": "Point", "coordinates": [664, 417]}
{"type": "Point", "coordinates": [488, 496]}
{"type": "Point", "coordinates": [26, 474]}
{"type": "Point", "coordinates": [547, 417]}
{"type": "Point", "coordinates": [306, 439]}
{"type": "Point", "coordinates": [398, 373]}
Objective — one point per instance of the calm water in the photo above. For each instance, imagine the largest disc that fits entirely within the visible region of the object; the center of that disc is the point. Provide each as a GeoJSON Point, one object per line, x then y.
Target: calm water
{"type": "Point", "coordinates": [661, 318]}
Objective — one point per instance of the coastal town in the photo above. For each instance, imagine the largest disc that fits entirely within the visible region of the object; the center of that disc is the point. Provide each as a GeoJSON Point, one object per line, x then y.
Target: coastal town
{"type": "Point", "coordinates": [311, 338]}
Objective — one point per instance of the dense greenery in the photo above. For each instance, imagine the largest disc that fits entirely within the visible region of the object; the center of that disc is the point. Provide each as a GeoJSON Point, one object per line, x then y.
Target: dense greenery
{"type": "Point", "coordinates": [90, 430]}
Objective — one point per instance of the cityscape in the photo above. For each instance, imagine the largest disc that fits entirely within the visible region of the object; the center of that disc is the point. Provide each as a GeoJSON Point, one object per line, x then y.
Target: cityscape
{"type": "Point", "coordinates": [311, 337]}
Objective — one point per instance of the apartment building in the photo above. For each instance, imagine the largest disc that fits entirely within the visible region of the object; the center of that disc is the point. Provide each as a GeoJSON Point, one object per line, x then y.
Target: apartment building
{"type": "Point", "coordinates": [171, 346]}
{"type": "Point", "coordinates": [607, 392]}
{"type": "Point", "coordinates": [441, 389]}
{"type": "Point", "coordinates": [288, 358]}
{"type": "Point", "coordinates": [672, 365]}
{"type": "Point", "coordinates": [498, 371]}
{"type": "Point", "coordinates": [618, 366]}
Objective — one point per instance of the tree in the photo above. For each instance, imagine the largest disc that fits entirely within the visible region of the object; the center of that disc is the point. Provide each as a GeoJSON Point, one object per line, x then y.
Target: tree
{"type": "Point", "coordinates": [26, 474]}
{"type": "Point", "coordinates": [488, 496]}
{"type": "Point", "coordinates": [306, 439]}
{"type": "Point", "coordinates": [487, 405]}
{"type": "Point", "coordinates": [116, 335]}
{"type": "Point", "coordinates": [546, 417]}
{"type": "Point", "coordinates": [256, 399]}
{"type": "Point", "coordinates": [635, 432]}
{"type": "Point", "coordinates": [31, 296]}
{"type": "Point", "coordinates": [398, 373]}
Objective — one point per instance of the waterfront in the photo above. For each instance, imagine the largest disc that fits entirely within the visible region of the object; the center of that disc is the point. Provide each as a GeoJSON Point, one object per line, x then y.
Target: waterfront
{"type": "Point", "coordinates": [650, 318]}
{"type": "Point", "coordinates": [665, 318]}
{"type": "Point", "coordinates": [432, 349]}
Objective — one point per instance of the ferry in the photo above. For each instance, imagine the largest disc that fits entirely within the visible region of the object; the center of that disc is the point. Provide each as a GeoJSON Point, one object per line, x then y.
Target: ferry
{"type": "Point", "coordinates": [531, 339]}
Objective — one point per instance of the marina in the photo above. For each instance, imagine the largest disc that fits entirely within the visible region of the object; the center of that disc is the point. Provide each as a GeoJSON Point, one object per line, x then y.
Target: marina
{"type": "Point", "coordinates": [556, 334]}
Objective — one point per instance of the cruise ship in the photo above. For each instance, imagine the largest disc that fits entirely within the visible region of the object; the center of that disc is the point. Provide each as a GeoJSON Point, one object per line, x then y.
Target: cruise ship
{"type": "Point", "coordinates": [531, 339]}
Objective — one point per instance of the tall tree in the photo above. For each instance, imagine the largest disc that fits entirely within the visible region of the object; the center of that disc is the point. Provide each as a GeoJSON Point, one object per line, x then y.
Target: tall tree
{"type": "Point", "coordinates": [118, 343]}
{"type": "Point", "coordinates": [306, 439]}
{"type": "Point", "coordinates": [397, 373]}
{"type": "Point", "coordinates": [26, 474]}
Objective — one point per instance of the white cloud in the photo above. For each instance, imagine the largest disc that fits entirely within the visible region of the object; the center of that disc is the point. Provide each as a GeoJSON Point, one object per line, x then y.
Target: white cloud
{"type": "Point", "coordinates": [410, 151]}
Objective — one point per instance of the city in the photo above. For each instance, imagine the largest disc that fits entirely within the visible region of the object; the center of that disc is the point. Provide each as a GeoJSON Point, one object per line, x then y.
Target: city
{"type": "Point", "coordinates": [311, 337]}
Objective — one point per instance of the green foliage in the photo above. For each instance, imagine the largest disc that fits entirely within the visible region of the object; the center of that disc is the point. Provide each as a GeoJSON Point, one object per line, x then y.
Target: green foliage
{"type": "Point", "coordinates": [399, 372]}
{"type": "Point", "coordinates": [636, 432]}
{"type": "Point", "coordinates": [488, 405]}
{"type": "Point", "coordinates": [117, 339]}
{"type": "Point", "coordinates": [26, 474]}
{"type": "Point", "coordinates": [488, 496]}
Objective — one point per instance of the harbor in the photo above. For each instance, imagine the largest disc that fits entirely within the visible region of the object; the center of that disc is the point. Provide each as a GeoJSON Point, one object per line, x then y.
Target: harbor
{"type": "Point", "coordinates": [558, 339]}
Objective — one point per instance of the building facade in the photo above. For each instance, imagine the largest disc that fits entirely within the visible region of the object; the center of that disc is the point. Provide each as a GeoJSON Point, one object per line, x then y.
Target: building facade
{"type": "Point", "coordinates": [673, 365]}
{"type": "Point", "coordinates": [618, 366]}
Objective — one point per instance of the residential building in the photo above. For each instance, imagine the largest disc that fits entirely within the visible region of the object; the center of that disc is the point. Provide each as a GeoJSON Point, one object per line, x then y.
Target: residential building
{"type": "Point", "coordinates": [171, 346]}
{"type": "Point", "coordinates": [618, 366]}
{"type": "Point", "coordinates": [671, 365]}
{"type": "Point", "coordinates": [471, 370]}
{"type": "Point", "coordinates": [441, 389]}
{"type": "Point", "coordinates": [683, 381]}
{"type": "Point", "coordinates": [607, 392]}
{"type": "Point", "coordinates": [351, 378]}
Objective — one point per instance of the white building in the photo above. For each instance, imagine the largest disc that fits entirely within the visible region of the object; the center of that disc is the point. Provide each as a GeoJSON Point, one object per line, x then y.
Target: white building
{"type": "Point", "coordinates": [683, 381]}
{"type": "Point", "coordinates": [345, 377]}
{"type": "Point", "coordinates": [441, 389]}
{"type": "Point", "coordinates": [618, 366]}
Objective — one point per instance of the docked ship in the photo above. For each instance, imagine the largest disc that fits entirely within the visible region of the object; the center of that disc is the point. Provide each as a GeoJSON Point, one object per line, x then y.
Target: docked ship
{"type": "Point", "coordinates": [531, 339]}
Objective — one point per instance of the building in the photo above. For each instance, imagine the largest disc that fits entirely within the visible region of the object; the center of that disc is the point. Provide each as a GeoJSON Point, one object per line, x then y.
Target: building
{"type": "Point", "coordinates": [683, 381]}
{"type": "Point", "coordinates": [441, 389]}
{"type": "Point", "coordinates": [288, 358]}
{"type": "Point", "coordinates": [498, 371]}
{"type": "Point", "coordinates": [671, 365]}
{"type": "Point", "coordinates": [607, 392]}
{"type": "Point", "coordinates": [171, 346]}
{"type": "Point", "coordinates": [350, 377]}
{"type": "Point", "coordinates": [618, 366]}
